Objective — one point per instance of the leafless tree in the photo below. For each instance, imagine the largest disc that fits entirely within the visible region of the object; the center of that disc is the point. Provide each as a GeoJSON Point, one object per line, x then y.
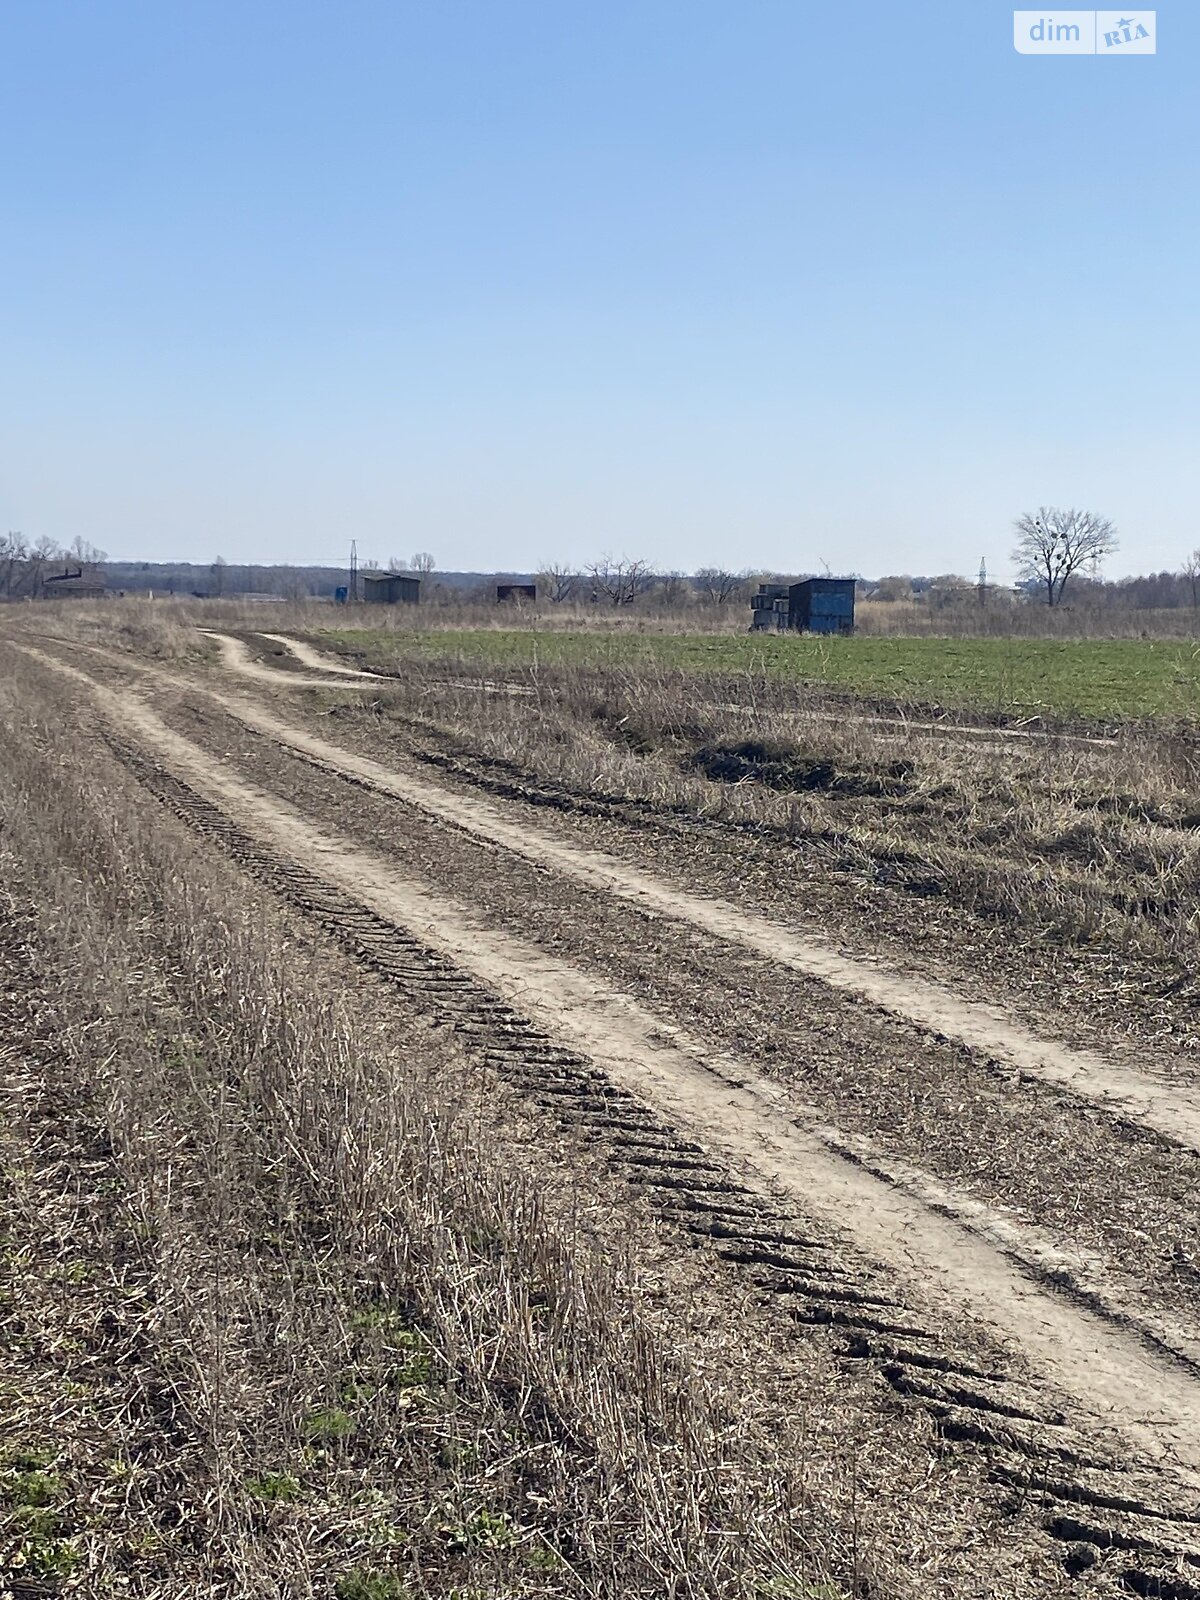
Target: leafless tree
{"type": "Point", "coordinates": [1054, 544]}
{"type": "Point", "coordinates": [14, 552]}
{"type": "Point", "coordinates": [557, 582]}
{"type": "Point", "coordinates": [22, 564]}
{"type": "Point", "coordinates": [397, 564]}
{"type": "Point", "coordinates": [620, 582]}
{"type": "Point", "coordinates": [88, 555]}
{"type": "Point", "coordinates": [422, 563]}
{"type": "Point", "coordinates": [37, 558]}
{"type": "Point", "coordinates": [719, 587]}
{"type": "Point", "coordinates": [895, 587]}
{"type": "Point", "coordinates": [1191, 573]}
{"type": "Point", "coordinates": [671, 590]}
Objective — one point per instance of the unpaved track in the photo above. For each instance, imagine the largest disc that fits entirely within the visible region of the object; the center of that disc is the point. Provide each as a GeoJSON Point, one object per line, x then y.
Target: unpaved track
{"type": "Point", "coordinates": [1108, 1373]}
{"type": "Point", "coordinates": [1073, 1441]}
{"type": "Point", "coordinates": [952, 1129]}
{"type": "Point", "coordinates": [1166, 1109]}
{"type": "Point", "coordinates": [235, 655]}
{"type": "Point", "coordinates": [239, 659]}
{"type": "Point", "coordinates": [313, 659]}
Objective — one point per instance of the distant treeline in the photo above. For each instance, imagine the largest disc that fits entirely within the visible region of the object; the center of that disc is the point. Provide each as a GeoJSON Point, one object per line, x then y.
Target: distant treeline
{"type": "Point", "coordinates": [31, 570]}
{"type": "Point", "coordinates": [1154, 591]}
{"type": "Point", "coordinates": [229, 578]}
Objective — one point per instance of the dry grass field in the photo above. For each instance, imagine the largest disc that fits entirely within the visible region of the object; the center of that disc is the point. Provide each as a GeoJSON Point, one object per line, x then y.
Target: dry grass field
{"type": "Point", "coordinates": [611, 1120]}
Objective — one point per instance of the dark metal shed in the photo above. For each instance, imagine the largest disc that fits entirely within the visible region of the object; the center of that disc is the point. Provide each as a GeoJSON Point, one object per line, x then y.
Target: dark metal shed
{"type": "Point", "coordinates": [386, 588]}
{"type": "Point", "coordinates": [516, 592]}
{"type": "Point", "coordinates": [822, 605]}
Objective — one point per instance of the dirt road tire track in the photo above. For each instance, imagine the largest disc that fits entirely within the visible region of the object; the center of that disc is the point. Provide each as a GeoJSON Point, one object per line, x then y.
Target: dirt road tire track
{"type": "Point", "coordinates": [1170, 1112]}
{"type": "Point", "coordinates": [701, 1192]}
{"type": "Point", "coordinates": [1090, 1493]}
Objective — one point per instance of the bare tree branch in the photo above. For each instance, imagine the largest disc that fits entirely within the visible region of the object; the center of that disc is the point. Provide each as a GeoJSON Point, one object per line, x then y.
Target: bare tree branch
{"type": "Point", "coordinates": [1191, 574]}
{"type": "Point", "coordinates": [14, 552]}
{"type": "Point", "coordinates": [671, 590]}
{"type": "Point", "coordinates": [718, 587]}
{"type": "Point", "coordinates": [1054, 544]}
{"type": "Point", "coordinates": [620, 582]}
{"type": "Point", "coordinates": [44, 550]}
{"type": "Point", "coordinates": [88, 555]}
{"type": "Point", "coordinates": [557, 582]}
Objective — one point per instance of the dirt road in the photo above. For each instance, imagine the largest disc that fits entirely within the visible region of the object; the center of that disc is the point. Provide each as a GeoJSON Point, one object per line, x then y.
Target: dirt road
{"type": "Point", "coordinates": [1085, 1388]}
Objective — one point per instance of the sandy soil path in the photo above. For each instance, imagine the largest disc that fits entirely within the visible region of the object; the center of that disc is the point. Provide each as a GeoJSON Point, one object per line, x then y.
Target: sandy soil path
{"type": "Point", "coordinates": [1160, 1106]}
{"type": "Point", "coordinates": [236, 656]}
{"type": "Point", "coordinates": [314, 659]}
{"type": "Point", "coordinates": [1109, 1373]}
{"type": "Point", "coordinates": [1165, 1109]}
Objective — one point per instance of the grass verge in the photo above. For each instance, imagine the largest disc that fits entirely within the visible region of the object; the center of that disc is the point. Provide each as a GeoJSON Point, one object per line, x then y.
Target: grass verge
{"type": "Point", "coordinates": [1101, 681]}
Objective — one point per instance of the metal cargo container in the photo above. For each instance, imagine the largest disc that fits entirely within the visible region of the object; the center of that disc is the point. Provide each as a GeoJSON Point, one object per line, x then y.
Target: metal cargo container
{"type": "Point", "coordinates": [822, 605]}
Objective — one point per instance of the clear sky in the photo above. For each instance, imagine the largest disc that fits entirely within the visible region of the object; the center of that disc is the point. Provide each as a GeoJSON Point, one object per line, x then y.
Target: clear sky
{"type": "Point", "coordinates": [768, 284]}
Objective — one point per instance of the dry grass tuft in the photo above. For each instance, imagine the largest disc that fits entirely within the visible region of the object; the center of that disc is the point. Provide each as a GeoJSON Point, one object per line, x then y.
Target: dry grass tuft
{"type": "Point", "coordinates": [1068, 840]}
{"type": "Point", "coordinates": [316, 1340]}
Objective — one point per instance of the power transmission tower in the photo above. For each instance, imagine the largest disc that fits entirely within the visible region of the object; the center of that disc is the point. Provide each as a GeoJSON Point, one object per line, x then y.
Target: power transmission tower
{"type": "Point", "coordinates": [983, 581]}
{"type": "Point", "coordinates": [353, 571]}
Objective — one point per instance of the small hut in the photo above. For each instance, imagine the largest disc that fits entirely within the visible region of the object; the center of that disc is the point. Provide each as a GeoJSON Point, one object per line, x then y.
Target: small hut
{"type": "Point", "coordinates": [390, 588]}
{"type": "Point", "coordinates": [822, 605]}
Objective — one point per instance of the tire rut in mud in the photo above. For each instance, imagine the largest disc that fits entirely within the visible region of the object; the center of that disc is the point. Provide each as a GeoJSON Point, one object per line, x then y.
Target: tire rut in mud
{"type": "Point", "coordinates": [1087, 1496]}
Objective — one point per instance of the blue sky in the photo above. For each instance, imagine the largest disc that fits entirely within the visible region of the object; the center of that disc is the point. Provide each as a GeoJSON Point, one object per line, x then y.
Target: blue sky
{"type": "Point", "coordinates": [508, 280]}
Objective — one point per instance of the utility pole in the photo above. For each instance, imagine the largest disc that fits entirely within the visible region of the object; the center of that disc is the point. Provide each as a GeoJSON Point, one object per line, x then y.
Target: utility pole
{"type": "Point", "coordinates": [353, 571]}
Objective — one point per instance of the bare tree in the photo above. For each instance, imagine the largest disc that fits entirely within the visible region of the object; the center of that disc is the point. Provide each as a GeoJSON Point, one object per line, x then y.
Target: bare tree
{"type": "Point", "coordinates": [620, 582]}
{"type": "Point", "coordinates": [557, 582]}
{"type": "Point", "coordinates": [1191, 573]}
{"type": "Point", "coordinates": [88, 555]}
{"type": "Point", "coordinates": [422, 563]}
{"type": "Point", "coordinates": [14, 552]}
{"type": "Point", "coordinates": [1054, 544]}
{"type": "Point", "coordinates": [397, 564]}
{"type": "Point", "coordinates": [719, 587]}
{"type": "Point", "coordinates": [671, 590]}
{"type": "Point", "coordinates": [22, 564]}
{"type": "Point", "coordinates": [895, 587]}
{"type": "Point", "coordinates": [41, 553]}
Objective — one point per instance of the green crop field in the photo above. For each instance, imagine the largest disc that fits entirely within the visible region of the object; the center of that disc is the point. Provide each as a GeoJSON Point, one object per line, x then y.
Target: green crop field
{"type": "Point", "coordinates": [1100, 680]}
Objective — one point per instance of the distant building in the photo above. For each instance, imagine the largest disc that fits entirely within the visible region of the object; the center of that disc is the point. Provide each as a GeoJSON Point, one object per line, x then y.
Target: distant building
{"type": "Point", "coordinates": [389, 588]}
{"type": "Point", "coordinates": [814, 605]}
{"type": "Point", "coordinates": [74, 583]}
{"type": "Point", "coordinates": [516, 592]}
{"type": "Point", "coordinates": [822, 605]}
